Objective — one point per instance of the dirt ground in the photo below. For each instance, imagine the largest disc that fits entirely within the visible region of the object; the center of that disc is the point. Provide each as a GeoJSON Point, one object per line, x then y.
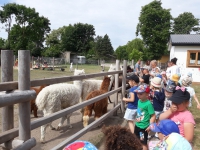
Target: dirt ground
{"type": "Point", "coordinates": [54, 137]}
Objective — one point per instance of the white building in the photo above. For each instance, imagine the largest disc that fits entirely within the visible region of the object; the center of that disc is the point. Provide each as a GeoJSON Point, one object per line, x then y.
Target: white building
{"type": "Point", "coordinates": [186, 48]}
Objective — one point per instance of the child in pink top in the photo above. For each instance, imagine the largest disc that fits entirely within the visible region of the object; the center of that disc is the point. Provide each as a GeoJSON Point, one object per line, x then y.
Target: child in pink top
{"type": "Point", "coordinates": [179, 113]}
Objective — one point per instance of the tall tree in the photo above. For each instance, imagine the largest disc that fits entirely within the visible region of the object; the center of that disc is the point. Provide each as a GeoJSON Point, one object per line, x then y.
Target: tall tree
{"type": "Point", "coordinates": [2, 43]}
{"type": "Point", "coordinates": [103, 47]}
{"type": "Point", "coordinates": [121, 53]}
{"type": "Point", "coordinates": [6, 18]}
{"type": "Point", "coordinates": [77, 38]}
{"type": "Point", "coordinates": [29, 28]}
{"type": "Point", "coordinates": [53, 42]}
{"type": "Point", "coordinates": [154, 26]}
{"type": "Point", "coordinates": [185, 23]}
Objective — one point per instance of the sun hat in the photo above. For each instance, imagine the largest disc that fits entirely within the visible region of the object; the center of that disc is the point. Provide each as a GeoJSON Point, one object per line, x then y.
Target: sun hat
{"type": "Point", "coordinates": [80, 145]}
{"type": "Point", "coordinates": [175, 77]}
{"type": "Point", "coordinates": [134, 78]}
{"type": "Point", "coordinates": [156, 82]}
{"type": "Point", "coordinates": [170, 88]}
{"type": "Point", "coordinates": [181, 94]}
{"type": "Point", "coordinates": [187, 81]}
{"type": "Point", "coordinates": [145, 67]}
{"type": "Point", "coordinates": [143, 88]}
{"type": "Point", "coordinates": [158, 68]}
{"type": "Point", "coordinates": [165, 126]}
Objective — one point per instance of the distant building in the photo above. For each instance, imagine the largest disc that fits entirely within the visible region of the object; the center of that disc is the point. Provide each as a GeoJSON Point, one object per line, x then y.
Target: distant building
{"type": "Point", "coordinates": [186, 48]}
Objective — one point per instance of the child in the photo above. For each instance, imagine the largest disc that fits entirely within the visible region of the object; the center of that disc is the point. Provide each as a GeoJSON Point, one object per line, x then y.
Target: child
{"type": "Point", "coordinates": [186, 82]}
{"type": "Point", "coordinates": [132, 101]}
{"type": "Point", "coordinates": [170, 139]}
{"type": "Point", "coordinates": [145, 115]}
{"type": "Point", "coordinates": [145, 75]}
{"type": "Point", "coordinates": [169, 90]}
{"type": "Point", "coordinates": [120, 138]}
{"type": "Point", "coordinates": [179, 114]}
{"type": "Point", "coordinates": [164, 78]}
{"type": "Point", "coordinates": [157, 95]}
{"type": "Point", "coordinates": [174, 80]}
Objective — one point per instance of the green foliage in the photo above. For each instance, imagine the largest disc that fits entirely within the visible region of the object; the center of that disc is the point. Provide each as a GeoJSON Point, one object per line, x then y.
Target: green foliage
{"type": "Point", "coordinates": [103, 47]}
{"type": "Point", "coordinates": [77, 38]}
{"type": "Point", "coordinates": [185, 23]}
{"type": "Point", "coordinates": [29, 30]}
{"type": "Point", "coordinates": [135, 55]}
{"type": "Point", "coordinates": [2, 43]}
{"type": "Point", "coordinates": [121, 53]}
{"type": "Point", "coordinates": [154, 26]}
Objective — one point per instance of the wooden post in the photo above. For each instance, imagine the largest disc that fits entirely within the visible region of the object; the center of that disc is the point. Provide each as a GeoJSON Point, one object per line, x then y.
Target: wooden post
{"type": "Point", "coordinates": [53, 62]}
{"type": "Point", "coordinates": [116, 85]}
{"type": "Point", "coordinates": [123, 84]}
{"type": "Point", "coordinates": [24, 84]}
{"type": "Point", "coordinates": [7, 75]}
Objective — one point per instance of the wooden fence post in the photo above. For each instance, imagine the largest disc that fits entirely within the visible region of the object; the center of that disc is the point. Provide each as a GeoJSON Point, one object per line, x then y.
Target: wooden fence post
{"type": "Point", "coordinates": [123, 84]}
{"type": "Point", "coordinates": [7, 75]}
{"type": "Point", "coordinates": [116, 85]}
{"type": "Point", "coordinates": [24, 84]}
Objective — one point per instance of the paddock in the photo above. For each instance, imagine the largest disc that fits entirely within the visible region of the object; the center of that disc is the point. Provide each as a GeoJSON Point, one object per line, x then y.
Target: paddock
{"type": "Point", "coordinates": [27, 139]}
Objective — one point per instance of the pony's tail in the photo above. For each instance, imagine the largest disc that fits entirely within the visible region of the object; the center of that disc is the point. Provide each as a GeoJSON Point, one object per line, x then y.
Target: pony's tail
{"type": "Point", "coordinates": [41, 99]}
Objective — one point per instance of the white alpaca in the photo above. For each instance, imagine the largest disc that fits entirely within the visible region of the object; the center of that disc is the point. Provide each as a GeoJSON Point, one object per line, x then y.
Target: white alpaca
{"type": "Point", "coordinates": [71, 67]}
{"type": "Point", "coordinates": [56, 97]}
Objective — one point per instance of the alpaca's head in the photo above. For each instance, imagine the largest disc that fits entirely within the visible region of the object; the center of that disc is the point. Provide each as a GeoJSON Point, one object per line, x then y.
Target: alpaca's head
{"type": "Point", "coordinates": [105, 84]}
{"type": "Point", "coordinates": [79, 72]}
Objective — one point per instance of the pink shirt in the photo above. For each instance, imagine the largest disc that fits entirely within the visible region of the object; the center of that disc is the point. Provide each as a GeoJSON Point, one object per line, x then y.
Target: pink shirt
{"type": "Point", "coordinates": [182, 117]}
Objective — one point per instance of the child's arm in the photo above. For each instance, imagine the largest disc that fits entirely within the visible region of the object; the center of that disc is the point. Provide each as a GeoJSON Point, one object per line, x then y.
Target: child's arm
{"type": "Point", "coordinates": [152, 120]}
{"type": "Point", "coordinates": [168, 113]}
{"type": "Point", "coordinates": [131, 99]}
{"type": "Point", "coordinates": [189, 131]}
{"type": "Point", "coordinates": [196, 99]}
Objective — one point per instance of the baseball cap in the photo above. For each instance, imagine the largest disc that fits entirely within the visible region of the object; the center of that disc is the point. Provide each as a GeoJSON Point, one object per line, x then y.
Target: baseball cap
{"type": "Point", "coordinates": [165, 126]}
{"type": "Point", "coordinates": [134, 78]}
{"type": "Point", "coordinates": [170, 88]}
{"type": "Point", "coordinates": [143, 88]}
{"type": "Point", "coordinates": [80, 145]}
{"type": "Point", "coordinates": [180, 96]}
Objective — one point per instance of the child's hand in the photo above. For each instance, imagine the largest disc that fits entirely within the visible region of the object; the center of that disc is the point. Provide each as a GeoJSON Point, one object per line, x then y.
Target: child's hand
{"type": "Point", "coordinates": [173, 108]}
{"type": "Point", "coordinates": [198, 106]}
{"type": "Point", "coordinates": [148, 129]}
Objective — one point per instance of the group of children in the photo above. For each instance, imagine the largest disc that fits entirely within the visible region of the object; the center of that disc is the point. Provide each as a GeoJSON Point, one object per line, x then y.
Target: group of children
{"type": "Point", "coordinates": [154, 103]}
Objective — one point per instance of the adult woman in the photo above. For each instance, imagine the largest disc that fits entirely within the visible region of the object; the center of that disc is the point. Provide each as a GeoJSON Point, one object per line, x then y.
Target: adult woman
{"type": "Point", "coordinates": [153, 65]}
{"type": "Point", "coordinates": [174, 69]}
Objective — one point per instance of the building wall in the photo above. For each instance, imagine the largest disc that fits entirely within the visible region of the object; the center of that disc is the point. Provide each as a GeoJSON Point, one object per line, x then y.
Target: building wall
{"type": "Point", "coordinates": [180, 52]}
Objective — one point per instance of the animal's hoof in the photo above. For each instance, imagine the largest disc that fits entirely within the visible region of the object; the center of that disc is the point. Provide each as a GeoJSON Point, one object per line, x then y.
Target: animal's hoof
{"type": "Point", "coordinates": [53, 128]}
{"type": "Point", "coordinates": [42, 141]}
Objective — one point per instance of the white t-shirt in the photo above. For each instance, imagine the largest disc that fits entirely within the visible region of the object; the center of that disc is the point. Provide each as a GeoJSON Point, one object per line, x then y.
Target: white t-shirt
{"type": "Point", "coordinates": [174, 70]}
{"type": "Point", "coordinates": [192, 93]}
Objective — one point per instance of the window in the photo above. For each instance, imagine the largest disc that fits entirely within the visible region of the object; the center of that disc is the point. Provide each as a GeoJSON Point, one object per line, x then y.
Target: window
{"type": "Point", "coordinates": [193, 58]}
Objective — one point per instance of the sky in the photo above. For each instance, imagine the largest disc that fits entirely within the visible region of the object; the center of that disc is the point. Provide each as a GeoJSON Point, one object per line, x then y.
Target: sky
{"type": "Point", "coordinates": [116, 18]}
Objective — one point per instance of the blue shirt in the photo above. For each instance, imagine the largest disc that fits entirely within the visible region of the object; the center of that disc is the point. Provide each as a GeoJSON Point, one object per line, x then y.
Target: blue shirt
{"type": "Point", "coordinates": [137, 66]}
{"type": "Point", "coordinates": [133, 105]}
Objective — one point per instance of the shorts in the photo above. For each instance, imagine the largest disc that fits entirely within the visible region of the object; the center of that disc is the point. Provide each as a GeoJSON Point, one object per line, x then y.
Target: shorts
{"type": "Point", "coordinates": [157, 113]}
{"type": "Point", "coordinates": [141, 134]}
{"type": "Point", "coordinates": [130, 114]}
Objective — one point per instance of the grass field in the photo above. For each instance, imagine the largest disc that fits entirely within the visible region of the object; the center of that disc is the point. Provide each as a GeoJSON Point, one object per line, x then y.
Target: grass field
{"type": "Point", "coordinates": [40, 74]}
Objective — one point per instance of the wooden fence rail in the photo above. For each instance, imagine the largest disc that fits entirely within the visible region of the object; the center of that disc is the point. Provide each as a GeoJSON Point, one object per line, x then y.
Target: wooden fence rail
{"type": "Point", "coordinates": [24, 95]}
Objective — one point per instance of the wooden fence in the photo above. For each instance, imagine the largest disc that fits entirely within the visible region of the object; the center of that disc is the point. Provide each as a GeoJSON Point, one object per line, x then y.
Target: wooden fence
{"type": "Point", "coordinates": [23, 95]}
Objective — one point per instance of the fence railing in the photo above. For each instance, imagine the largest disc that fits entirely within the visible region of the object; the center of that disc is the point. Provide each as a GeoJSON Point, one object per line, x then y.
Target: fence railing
{"type": "Point", "coordinates": [23, 97]}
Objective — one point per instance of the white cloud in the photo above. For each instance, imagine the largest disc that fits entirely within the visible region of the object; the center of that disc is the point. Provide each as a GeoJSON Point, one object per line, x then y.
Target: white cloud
{"type": "Point", "coordinates": [116, 18]}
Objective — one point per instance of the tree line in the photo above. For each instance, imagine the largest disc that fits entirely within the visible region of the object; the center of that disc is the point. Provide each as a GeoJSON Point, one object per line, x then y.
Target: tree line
{"type": "Point", "coordinates": [27, 30]}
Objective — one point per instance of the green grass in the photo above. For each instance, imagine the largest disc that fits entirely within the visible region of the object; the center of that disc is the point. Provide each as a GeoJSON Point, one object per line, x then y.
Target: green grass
{"type": "Point", "coordinates": [196, 112]}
